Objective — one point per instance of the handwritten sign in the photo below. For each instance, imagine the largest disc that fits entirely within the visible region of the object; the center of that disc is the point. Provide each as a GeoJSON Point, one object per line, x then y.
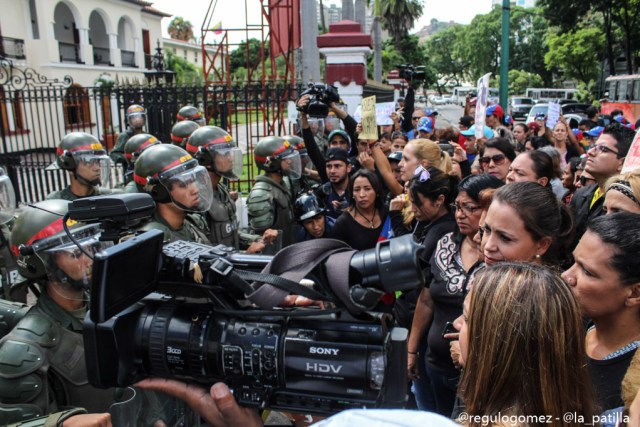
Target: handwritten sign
{"type": "Point", "coordinates": [632, 161]}
{"type": "Point", "coordinates": [383, 113]}
{"type": "Point", "coordinates": [553, 114]}
{"type": "Point", "coordinates": [369, 126]}
{"type": "Point", "coordinates": [481, 104]}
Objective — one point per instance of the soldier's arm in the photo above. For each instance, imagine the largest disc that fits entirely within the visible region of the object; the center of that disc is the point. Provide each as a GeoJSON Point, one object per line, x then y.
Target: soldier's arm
{"type": "Point", "coordinates": [260, 208]}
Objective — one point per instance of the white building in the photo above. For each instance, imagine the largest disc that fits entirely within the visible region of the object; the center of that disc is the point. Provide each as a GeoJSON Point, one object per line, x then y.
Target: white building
{"type": "Point", "coordinates": [192, 52]}
{"type": "Point", "coordinates": [81, 38]}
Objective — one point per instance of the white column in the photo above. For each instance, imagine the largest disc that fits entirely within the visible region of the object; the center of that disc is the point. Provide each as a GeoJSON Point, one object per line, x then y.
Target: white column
{"type": "Point", "coordinates": [114, 52]}
{"type": "Point", "coordinates": [86, 50]}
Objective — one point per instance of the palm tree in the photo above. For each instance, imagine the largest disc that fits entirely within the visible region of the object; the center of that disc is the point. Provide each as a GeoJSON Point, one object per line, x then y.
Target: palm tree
{"type": "Point", "coordinates": [180, 29]}
{"type": "Point", "coordinates": [399, 16]}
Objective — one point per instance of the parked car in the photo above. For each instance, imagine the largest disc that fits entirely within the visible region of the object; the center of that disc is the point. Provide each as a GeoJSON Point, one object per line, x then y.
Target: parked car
{"type": "Point", "coordinates": [448, 99]}
{"type": "Point", "coordinates": [438, 100]}
{"type": "Point", "coordinates": [519, 107]}
{"type": "Point", "coordinates": [575, 108]}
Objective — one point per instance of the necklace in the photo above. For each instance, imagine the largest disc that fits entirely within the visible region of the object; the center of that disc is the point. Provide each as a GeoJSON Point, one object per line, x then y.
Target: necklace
{"type": "Point", "coordinates": [367, 219]}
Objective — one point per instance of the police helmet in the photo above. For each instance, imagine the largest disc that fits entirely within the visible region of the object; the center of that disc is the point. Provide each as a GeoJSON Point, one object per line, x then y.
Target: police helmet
{"type": "Point", "coordinates": [216, 150]}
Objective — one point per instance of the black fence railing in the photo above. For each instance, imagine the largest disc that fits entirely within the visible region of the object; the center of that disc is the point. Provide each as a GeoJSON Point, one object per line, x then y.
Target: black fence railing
{"type": "Point", "coordinates": [128, 58]}
{"type": "Point", "coordinates": [69, 52]}
{"type": "Point", "coordinates": [101, 56]}
{"type": "Point", "coordinates": [12, 48]}
{"type": "Point", "coordinates": [45, 114]}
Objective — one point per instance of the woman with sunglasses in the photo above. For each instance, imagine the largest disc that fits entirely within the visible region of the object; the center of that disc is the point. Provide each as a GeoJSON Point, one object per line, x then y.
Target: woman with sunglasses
{"type": "Point", "coordinates": [497, 155]}
{"type": "Point", "coordinates": [605, 280]}
{"type": "Point", "coordinates": [623, 193]}
{"type": "Point", "coordinates": [455, 254]}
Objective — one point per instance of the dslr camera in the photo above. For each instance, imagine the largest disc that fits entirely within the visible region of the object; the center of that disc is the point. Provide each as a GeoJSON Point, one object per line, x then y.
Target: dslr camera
{"type": "Point", "coordinates": [204, 314]}
{"type": "Point", "coordinates": [411, 72]}
{"type": "Point", "coordinates": [320, 96]}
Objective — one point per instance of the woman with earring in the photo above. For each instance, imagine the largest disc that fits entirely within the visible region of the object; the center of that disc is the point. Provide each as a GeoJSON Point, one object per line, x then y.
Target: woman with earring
{"type": "Point", "coordinates": [605, 280]}
{"type": "Point", "coordinates": [360, 224]}
{"type": "Point", "coordinates": [526, 222]}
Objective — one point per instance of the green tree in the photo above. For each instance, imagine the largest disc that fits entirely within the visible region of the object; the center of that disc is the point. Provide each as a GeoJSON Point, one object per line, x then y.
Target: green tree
{"type": "Point", "coordinates": [247, 55]}
{"type": "Point", "coordinates": [180, 29]}
{"type": "Point", "coordinates": [444, 51]}
{"type": "Point", "coordinates": [186, 73]}
{"type": "Point", "coordinates": [576, 54]}
{"type": "Point", "coordinates": [481, 44]}
{"type": "Point", "coordinates": [398, 17]}
{"type": "Point", "coordinates": [528, 46]}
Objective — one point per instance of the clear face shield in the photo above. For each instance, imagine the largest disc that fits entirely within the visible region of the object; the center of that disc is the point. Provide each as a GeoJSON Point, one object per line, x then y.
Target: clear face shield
{"type": "Point", "coordinates": [137, 120]}
{"type": "Point", "coordinates": [316, 126]}
{"type": "Point", "coordinates": [68, 263]}
{"type": "Point", "coordinates": [332, 123]}
{"type": "Point", "coordinates": [7, 198]}
{"type": "Point", "coordinates": [291, 165]}
{"type": "Point", "coordinates": [93, 167]}
{"type": "Point", "coordinates": [190, 188]}
{"type": "Point", "coordinates": [227, 162]}
{"type": "Point", "coordinates": [305, 162]}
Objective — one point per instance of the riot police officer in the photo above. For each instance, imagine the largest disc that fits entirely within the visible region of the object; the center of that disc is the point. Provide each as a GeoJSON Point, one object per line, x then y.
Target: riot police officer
{"type": "Point", "coordinates": [313, 218]}
{"type": "Point", "coordinates": [180, 187]}
{"type": "Point", "coordinates": [136, 117]}
{"type": "Point", "coordinates": [82, 155]}
{"type": "Point", "coordinates": [181, 131]}
{"type": "Point", "coordinates": [216, 150]}
{"type": "Point", "coordinates": [42, 365]}
{"type": "Point", "coordinates": [269, 204]}
{"type": "Point", "coordinates": [132, 150]}
{"type": "Point", "coordinates": [191, 113]}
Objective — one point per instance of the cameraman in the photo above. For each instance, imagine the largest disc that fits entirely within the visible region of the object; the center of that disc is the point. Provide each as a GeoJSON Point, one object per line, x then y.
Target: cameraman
{"type": "Point", "coordinates": [314, 151]}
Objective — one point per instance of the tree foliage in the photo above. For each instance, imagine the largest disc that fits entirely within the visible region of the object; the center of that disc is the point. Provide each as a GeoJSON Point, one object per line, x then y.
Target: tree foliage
{"type": "Point", "coordinates": [576, 54]}
{"type": "Point", "coordinates": [398, 17]}
{"type": "Point", "coordinates": [186, 73]}
{"type": "Point", "coordinates": [519, 81]}
{"type": "Point", "coordinates": [180, 29]}
{"type": "Point", "coordinates": [247, 55]}
{"type": "Point", "coordinates": [444, 52]}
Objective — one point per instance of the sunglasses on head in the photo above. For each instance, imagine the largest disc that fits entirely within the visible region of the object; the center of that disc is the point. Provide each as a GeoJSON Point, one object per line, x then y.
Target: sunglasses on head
{"type": "Point", "coordinates": [498, 159]}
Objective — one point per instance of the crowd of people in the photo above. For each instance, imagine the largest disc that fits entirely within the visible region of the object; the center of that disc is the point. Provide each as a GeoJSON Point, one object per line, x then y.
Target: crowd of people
{"type": "Point", "coordinates": [530, 238]}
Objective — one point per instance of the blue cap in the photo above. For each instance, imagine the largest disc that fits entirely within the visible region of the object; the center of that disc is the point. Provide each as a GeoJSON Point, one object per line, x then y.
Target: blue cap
{"type": "Point", "coordinates": [540, 116]}
{"type": "Point", "coordinates": [575, 131]}
{"type": "Point", "coordinates": [495, 110]}
{"type": "Point", "coordinates": [425, 124]}
{"type": "Point", "coordinates": [596, 131]}
{"type": "Point", "coordinates": [508, 120]}
{"type": "Point", "coordinates": [488, 133]}
{"type": "Point", "coordinates": [618, 118]}
{"type": "Point", "coordinates": [431, 112]}
{"type": "Point", "coordinates": [340, 132]}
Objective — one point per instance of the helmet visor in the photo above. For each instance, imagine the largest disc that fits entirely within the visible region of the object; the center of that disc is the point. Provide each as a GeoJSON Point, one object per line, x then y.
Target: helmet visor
{"type": "Point", "coordinates": [137, 120]}
{"type": "Point", "coordinates": [94, 168]}
{"type": "Point", "coordinates": [316, 126]}
{"type": "Point", "coordinates": [70, 262]}
{"type": "Point", "coordinates": [190, 189]}
{"type": "Point", "coordinates": [7, 198]}
{"type": "Point", "coordinates": [227, 162]}
{"type": "Point", "coordinates": [291, 165]}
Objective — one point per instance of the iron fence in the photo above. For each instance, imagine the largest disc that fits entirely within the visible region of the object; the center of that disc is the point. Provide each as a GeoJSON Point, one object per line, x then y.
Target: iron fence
{"type": "Point", "coordinates": [37, 113]}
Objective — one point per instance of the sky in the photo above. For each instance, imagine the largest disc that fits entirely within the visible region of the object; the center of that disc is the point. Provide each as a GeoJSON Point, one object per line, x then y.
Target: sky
{"type": "Point", "coordinates": [232, 13]}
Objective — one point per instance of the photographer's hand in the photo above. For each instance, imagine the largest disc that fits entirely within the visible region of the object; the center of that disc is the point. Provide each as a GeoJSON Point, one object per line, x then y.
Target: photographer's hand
{"type": "Point", "coordinates": [338, 111]}
{"type": "Point", "coordinates": [88, 420]}
{"type": "Point", "coordinates": [269, 236]}
{"type": "Point", "coordinates": [304, 118]}
{"type": "Point", "coordinates": [217, 407]}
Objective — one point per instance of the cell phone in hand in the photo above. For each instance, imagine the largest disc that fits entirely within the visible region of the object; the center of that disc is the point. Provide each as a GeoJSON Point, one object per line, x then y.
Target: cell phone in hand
{"type": "Point", "coordinates": [448, 329]}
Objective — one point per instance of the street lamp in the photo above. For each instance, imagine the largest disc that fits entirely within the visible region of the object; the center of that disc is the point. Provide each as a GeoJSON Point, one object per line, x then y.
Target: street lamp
{"type": "Point", "coordinates": [160, 74]}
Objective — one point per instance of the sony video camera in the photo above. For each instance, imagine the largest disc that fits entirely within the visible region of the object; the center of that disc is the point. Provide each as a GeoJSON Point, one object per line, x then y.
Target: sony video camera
{"type": "Point", "coordinates": [206, 314]}
{"type": "Point", "coordinates": [411, 72]}
{"type": "Point", "coordinates": [321, 95]}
